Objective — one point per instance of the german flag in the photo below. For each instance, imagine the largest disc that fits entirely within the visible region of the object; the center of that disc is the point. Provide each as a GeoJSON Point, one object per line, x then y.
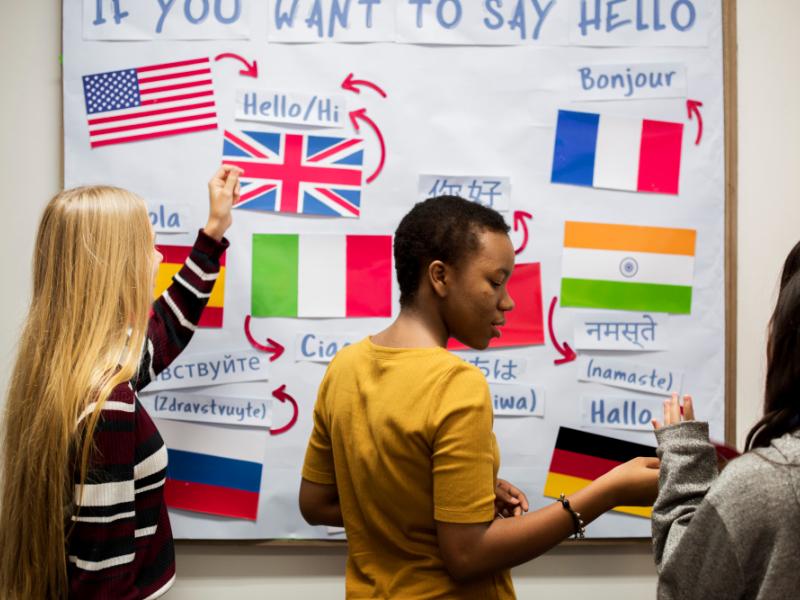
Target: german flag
{"type": "Point", "coordinates": [174, 257]}
{"type": "Point", "coordinates": [581, 457]}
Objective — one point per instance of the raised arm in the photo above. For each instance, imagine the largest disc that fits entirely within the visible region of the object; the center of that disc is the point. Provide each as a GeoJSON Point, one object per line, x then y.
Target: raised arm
{"type": "Point", "coordinates": [177, 311]}
{"type": "Point", "coordinates": [691, 543]}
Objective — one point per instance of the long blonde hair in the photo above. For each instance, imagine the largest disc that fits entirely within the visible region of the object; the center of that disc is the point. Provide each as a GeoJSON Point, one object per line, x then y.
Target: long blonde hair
{"type": "Point", "coordinates": [92, 290]}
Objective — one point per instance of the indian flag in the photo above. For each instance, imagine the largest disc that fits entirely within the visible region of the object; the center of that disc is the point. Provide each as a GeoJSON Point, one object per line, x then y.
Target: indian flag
{"type": "Point", "coordinates": [627, 267]}
{"type": "Point", "coordinates": [308, 275]}
{"type": "Point", "coordinates": [174, 257]}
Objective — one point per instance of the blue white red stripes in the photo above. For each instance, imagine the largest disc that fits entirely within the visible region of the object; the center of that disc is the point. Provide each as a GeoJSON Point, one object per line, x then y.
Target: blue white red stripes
{"type": "Point", "coordinates": [605, 151]}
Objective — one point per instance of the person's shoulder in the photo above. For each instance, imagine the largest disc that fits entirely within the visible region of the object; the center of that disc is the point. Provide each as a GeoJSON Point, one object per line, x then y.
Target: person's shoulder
{"type": "Point", "coordinates": [755, 488]}
{"type": "Point", "coordinates": [457, 368]}
{"type": "Point", "coordinates": [121, 397]}
{"type": "Point", "coordinates": [350, 353]}
{"type": "Point", "coordinates": [460, 384]}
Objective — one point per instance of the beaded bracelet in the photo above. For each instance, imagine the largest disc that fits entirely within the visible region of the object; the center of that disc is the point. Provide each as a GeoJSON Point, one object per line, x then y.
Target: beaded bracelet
{"type": "Point", "coordinates": [580, 531]}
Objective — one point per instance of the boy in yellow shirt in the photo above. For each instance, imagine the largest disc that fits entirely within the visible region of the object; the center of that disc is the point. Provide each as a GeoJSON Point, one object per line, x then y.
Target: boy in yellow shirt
{"type": "Point", "coordinates": [402, 452]}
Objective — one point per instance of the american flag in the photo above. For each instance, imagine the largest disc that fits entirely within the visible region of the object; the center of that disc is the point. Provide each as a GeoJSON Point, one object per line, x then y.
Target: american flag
{"type": "Point", "coordinates": [297, 173]}
{"type": "Point", "coordinates": [148, 102]}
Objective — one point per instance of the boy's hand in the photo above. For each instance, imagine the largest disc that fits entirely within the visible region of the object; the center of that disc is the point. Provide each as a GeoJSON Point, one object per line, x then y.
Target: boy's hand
{"type": "Point", "coordinates": [223, 192]}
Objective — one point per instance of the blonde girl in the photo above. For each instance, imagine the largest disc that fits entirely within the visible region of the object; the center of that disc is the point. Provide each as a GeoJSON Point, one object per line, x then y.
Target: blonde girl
{"type": "Point", "coordinates": [83, 511]}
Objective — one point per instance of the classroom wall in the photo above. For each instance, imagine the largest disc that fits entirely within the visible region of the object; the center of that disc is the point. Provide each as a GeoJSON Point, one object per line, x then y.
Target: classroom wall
{"type": "Point", "coordinates": [768, 226]}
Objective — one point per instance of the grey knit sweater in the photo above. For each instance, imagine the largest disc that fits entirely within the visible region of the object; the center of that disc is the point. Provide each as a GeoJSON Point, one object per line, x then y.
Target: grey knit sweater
{"type": "Point", "coordinates": [731, 536]}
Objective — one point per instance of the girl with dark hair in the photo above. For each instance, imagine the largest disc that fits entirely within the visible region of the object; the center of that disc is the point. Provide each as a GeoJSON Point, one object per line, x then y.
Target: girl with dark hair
{"type": "Point", "coordinates": [736, 534]}
{"type": "Point", "coordinates": [402, 451]}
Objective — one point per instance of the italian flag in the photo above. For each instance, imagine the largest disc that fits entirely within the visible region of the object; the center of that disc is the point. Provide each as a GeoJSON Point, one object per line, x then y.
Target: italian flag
{"type": "Point", "coordinates": [308, 275]}
{"type": "Point", "coordinates": [627, 267]}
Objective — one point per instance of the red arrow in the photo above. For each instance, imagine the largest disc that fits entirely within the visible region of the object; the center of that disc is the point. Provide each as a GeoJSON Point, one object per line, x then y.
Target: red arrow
{"type": "Point", "coordinates": [250, 70]}
{"type": "Point", "coordinates": [693, 107]}
{"type": "Point", "coordinates": [350, 84]}
{"type": "Point", "coordinates": [361, 113]}
{"type": "Point", "coordinates": [281, 395]}
{"type": "Point", "coordinates": [567, 353]}
{"type": "Point", "coordinates": [519, 221]}
{"type": "Point", "coordinates": [273, 348]}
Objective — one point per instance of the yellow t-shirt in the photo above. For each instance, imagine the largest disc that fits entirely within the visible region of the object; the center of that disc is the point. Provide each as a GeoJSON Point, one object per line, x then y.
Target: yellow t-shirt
{"type": "Point", "coordinates": [406, 436]}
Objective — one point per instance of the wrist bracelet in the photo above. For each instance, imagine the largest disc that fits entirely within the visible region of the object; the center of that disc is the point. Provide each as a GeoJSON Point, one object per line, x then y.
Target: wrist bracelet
{"type": "Point", "coordinates": [577, 523]}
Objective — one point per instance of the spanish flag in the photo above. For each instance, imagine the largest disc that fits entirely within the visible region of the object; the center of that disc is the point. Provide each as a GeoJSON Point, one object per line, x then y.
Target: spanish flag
{"type": "Point", "coordinates": [174, 257]}
{"type": "Point", "coordinates": [581, 457]}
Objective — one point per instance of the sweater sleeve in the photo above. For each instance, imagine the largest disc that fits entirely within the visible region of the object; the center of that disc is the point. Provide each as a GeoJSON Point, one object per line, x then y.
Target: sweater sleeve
{"type": "Point", "coordinates": [177, 311]}
{"type": "Point", "coordinates": [687, 528]}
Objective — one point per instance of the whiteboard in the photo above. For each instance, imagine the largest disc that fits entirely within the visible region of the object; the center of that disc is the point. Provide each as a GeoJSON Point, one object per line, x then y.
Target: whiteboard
{"type": "Point", "coordinates": [466, 97]}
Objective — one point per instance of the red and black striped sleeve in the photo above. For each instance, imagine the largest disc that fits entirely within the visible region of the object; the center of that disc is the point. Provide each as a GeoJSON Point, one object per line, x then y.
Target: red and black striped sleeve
{"type": "Point", "coordinates": [177, 311]}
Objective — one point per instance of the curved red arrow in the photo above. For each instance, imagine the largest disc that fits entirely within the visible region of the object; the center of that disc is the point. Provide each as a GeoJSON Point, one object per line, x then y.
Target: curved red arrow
{"type": "Point", "coordinates": [693, 107]}
{"type": "Point", "coordinates": [281, 395]}
{"type": "Point", "coordinates": [273, 348]}
{"type": "Point", "coordinates": [567, 353]}
{"type": "Point", "coordinates": [519, 221]}
{"type": "Point", "coordinates": [250, 70]}
{"type": "Point", "coordinates": [351, 85]}
{"type": "Point", "coordinates": [361, 113]}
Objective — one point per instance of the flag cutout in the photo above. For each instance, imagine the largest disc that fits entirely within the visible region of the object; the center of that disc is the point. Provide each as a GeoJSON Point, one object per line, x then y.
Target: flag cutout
{"type": "Point", "coordinates": [296, 173]}
{"type": "Point", "coordinates": [305, 275]}
{"type": "Point", "coordinates": [581, 457]}
{"type": "Point", "coordinates": [149, 102]}
{"type": "Point", "coordinates": [212, 469]}
{"type": "Point", "coordinates": [174, 257]}
{"type": "Point", "coordinates": [606, 151]}
{"type": "Point", "coordinates": [627, 267]}
{"type": "Point", "coordinates": [524, 325]}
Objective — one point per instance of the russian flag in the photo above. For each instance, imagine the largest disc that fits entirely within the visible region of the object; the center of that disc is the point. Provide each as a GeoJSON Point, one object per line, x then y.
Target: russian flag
{"type": "Point", "coordinates": [213, 469]}
{"type": "Point", "coordinates": [606, 151]}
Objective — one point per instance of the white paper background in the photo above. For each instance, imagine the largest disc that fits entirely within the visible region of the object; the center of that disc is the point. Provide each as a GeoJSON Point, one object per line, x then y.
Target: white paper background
{"type": "Point", "coordinates": [449, 110]}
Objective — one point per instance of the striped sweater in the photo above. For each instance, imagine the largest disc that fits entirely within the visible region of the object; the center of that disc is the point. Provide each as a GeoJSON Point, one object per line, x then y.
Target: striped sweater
{"type": "Point", "coordinates": [120, 542]}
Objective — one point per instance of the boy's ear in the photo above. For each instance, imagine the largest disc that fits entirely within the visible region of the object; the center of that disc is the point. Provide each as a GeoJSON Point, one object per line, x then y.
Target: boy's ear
{"type": "Point", "coordinates": [439, 278]}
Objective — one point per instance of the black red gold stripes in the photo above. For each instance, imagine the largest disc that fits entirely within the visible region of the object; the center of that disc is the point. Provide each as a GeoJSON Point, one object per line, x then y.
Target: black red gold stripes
{"type": "Point", "coordinates": [580, 457]}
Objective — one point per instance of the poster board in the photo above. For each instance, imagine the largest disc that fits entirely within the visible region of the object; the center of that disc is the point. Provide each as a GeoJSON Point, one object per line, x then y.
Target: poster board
{"type": "Point", "coordinates": [434, 96]}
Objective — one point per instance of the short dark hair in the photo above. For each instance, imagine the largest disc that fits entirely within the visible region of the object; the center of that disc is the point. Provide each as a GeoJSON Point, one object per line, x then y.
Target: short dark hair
{"type": "Point", "coordinates": [442, 228]}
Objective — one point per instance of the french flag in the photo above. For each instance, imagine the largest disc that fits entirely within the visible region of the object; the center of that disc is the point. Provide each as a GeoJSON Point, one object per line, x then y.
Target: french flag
{"type": "Point", "coordinates": [213, 469]}
{"type": "Point", "coordinates": [606, 151]}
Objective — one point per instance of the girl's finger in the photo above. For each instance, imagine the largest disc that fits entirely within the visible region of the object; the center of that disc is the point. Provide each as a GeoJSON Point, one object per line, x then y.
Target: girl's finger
{"type": "Point", "coordinates": [675, 409]}
{"type": "Point", "coordinates": [219, 176]}
{"type": "Point", "coordinates": [656, 424]}
{"type": "Point", "coordinates": [688, 408]}
{"type": "Point", "coordinates": [231, 181]}
{"type": "Point", "coordinates": [667, 414]}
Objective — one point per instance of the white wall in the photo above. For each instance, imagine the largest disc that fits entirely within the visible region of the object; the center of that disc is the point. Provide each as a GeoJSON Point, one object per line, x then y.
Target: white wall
{"type": "Point", "coordinates": [769, 224]}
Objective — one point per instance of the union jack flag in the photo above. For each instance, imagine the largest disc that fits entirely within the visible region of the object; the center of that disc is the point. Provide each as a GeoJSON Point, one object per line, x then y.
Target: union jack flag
{"type": "Point", "coordinates": [297, 173]}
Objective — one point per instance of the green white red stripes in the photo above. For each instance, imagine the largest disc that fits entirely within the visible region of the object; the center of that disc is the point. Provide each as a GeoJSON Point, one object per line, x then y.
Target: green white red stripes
{"type": "Point", "coordinates": [305, 275]}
